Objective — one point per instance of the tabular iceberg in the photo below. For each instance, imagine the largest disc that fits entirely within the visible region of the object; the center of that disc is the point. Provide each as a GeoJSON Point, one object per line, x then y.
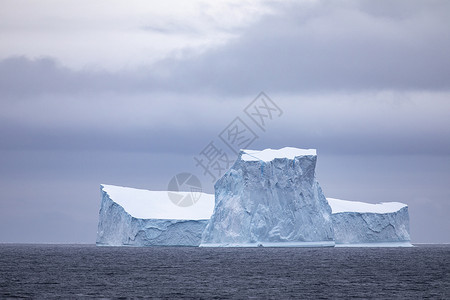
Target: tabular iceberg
{"type": "Point", "coordinates": [133, 217]}
{"type": "Point", "coordinates": [267, 198]}
{"type": "Point", "coordinates": [365, 224]}
{"type": "Point", "coordinates": [270, 198]}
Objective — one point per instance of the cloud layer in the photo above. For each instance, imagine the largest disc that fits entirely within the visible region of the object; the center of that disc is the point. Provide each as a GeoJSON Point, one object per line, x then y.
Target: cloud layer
{"type": "Point", "coordinates": [308, 47]}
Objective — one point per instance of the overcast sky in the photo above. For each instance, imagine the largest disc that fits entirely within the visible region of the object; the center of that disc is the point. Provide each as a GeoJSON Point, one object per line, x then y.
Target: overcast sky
{"type": "Point", "coordinates": [128, 93]}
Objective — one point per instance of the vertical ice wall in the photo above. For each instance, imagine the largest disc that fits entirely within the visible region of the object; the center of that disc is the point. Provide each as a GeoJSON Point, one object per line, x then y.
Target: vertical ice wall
{"type": "Point", "coordinates": [358, 223]}
{"type": "Point", "coordinates": [132, 217]}
{"type": "Point", "coordinates": [270, 198]}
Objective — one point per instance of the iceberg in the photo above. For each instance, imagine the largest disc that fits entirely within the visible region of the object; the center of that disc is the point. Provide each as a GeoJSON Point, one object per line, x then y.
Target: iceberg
{"type": "Point", "coordinates": [364, 224]}
{"type": "Point", "coordinates": [134, 217]}
{"type": "Point", "coordinates": [270, 198]}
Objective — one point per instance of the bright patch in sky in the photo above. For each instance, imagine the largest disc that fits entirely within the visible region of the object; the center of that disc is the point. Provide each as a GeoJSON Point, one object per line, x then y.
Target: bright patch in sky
{"type": "Point", "coordinates": [115, 34]}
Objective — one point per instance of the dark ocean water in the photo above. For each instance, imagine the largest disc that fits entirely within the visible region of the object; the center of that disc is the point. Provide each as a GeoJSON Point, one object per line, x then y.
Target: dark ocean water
{"type": "Point", "coordinates": [71, 271]}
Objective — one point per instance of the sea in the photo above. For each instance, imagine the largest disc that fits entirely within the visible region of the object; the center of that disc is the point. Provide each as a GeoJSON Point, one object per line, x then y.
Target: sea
{"type": "Point", "coordinates": [88, 271]}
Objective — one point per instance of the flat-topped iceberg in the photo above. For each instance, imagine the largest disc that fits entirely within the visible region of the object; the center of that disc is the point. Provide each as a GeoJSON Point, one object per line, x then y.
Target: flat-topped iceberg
{"type": "Point", "coordinates": [364, 224]}
{"type": "Point", "coordinates": [270, 198]}
{"type": "Point", "coordinates": [134, 217]}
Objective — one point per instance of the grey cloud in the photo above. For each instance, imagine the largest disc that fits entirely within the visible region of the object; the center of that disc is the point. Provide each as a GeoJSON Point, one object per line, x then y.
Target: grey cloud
{"type": "Point", "coordinates": [403, 9]}
{"type": "Point", "coordinates": [16, 137]}
{"type": "Point", "coordinates": [331, 48]}
{"type": "Point", "coordinates": [172, 28]}
{"type": "Point", "coordinates": [334, 124]}
{"type": "Point", "coordinates": [20, 76]}
{"type": "Point", "coordinates": [321, 47]}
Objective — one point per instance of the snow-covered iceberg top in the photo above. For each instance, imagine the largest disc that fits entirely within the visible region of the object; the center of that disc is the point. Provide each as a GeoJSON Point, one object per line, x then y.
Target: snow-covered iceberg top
{"type": "Point", "coordinates": [145, 204]}
{"type": "Point", "coordinates": [271, 154]}
{"type": "Point", "coordinates": [340, 206]}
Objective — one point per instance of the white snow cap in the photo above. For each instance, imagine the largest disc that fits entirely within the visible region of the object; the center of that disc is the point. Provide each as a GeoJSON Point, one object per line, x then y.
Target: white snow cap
{"type": "Point", "coordinates": [271, 154]}
{"type": "Point", "coordinates": [339, 206]}
{"type": "Point", "coordinates": [145, 204]}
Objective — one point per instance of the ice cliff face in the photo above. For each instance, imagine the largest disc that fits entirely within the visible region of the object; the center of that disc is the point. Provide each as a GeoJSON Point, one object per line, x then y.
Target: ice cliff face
{"type": "Point", "coordinates": [267, 198]}
{"type": "Point", "coordinates": [272, 198]}
{"type": "Point", "coordinates": [364, 223]}
{"type": "Point", "coordinates": [132, 217]}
